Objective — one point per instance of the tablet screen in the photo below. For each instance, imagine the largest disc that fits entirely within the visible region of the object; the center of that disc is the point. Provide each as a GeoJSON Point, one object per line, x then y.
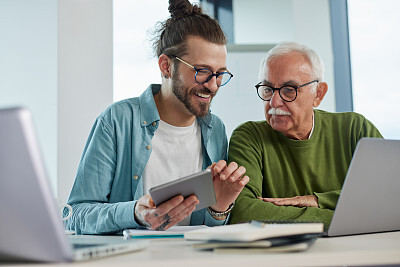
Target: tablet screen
{"type": "Point", "coordinates": [199, 184]}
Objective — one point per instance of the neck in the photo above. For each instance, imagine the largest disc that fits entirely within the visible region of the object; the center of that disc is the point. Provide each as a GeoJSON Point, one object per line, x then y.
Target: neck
{"type": "Point", "coordinates": [304, 133]}
{"type": "Point", "coordinates": [171, 110]}
{"type": "Point", "coordinates": [300, 135]}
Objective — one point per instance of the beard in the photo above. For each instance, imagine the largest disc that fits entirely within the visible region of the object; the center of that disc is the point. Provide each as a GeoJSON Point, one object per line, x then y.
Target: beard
{"type": "Point", "coordinates": [186, 96]}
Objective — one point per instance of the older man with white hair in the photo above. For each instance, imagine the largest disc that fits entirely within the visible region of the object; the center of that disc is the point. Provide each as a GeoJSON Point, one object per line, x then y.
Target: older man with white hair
{"type": "Point", "coordinates": [297, 159]}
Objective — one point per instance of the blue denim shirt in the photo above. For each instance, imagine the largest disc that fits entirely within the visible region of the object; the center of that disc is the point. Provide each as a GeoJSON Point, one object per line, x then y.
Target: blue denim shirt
{"type": "Point", "coordinates": [109, 177]}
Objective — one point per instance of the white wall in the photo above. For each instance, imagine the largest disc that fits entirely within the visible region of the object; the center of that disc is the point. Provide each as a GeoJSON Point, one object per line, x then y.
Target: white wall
{"type": "Point", "coordinates": [313, 28]}
{"type": "Point", "coordinates": [84, 79]}
{"type": "Point", "coordinates": [135, 66]}
{"type": "Point", "coordinates": [263, 21]}
{"type": "Point", "coordinates": [28, 68]}
{"type": "Point", "coordinates": [56, 59]}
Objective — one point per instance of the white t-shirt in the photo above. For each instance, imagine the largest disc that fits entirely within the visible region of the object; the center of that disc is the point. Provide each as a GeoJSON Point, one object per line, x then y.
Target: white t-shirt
{"type": "Point", "coordinates": [176, 152]}
{"type": "Point", "coordinates": [312, 129]}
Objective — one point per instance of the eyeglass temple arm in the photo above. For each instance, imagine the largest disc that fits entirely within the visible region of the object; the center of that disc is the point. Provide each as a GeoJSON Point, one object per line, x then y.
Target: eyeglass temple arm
{"type": "Point", "coordinates": [184, 62]}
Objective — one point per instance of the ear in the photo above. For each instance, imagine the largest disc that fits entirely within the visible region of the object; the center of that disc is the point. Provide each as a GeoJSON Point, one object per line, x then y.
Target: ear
{"type": "Point", "coordinates": [320, 93]}
{"type": "Point", "coordinates": [165, 65]}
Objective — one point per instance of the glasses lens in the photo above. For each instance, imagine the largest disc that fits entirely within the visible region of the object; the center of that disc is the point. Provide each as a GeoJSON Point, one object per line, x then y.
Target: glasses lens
{"type": "Point", "coordinates": [223, 78]}
{"type": "Point", "coordinates": [265, 92]}
{"type": "Point", "coordinates": [288, 93]}
{"type": "Point", "coordinates": [202, 75]}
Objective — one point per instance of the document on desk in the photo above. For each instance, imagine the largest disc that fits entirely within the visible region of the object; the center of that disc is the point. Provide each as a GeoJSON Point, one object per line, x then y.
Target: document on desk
{"type": "Point", "coordinates": [256, 230]}
{"type": "Point", "coordinates": [173, 232]}
{"type": "Point", "coordinates": [263, 246]}
{"type": "Point", "coordinates": [257, 236]}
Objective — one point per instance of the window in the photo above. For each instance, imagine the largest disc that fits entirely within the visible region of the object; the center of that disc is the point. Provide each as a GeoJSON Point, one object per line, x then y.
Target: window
{"type": "Point", "coordinates": [135, 66]}
{"type": "Point", "coordinates": [375, 57]}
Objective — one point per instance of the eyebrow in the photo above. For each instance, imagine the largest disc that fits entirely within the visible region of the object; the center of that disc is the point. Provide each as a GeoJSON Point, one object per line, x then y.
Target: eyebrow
{"type": "Point", "coordinates": [287, 83]}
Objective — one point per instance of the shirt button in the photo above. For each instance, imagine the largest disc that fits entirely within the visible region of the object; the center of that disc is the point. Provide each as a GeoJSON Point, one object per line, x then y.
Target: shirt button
{"type": "Point", "coordinates": [148, 147]}
{"type": "Point", "coordinates": [135, 177]}
{"type": "Point", "coordinates": [144, 122]}
{"type": "Point", "coordinates": [154, 123]}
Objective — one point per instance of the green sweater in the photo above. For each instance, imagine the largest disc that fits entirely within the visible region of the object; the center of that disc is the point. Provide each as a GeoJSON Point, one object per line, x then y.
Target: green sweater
{"type": "Point", "coordinates": [282, 167]}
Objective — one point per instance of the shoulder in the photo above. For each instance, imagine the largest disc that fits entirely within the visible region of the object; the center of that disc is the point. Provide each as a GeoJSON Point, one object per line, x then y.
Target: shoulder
{"type": "Point", "coordinates": [120, 110]}
{"type": "Point", "coordinates": [120, 115]}
{"type": "Point", "coordinates": [350, 123]}
{"type": "Point", "coordinates": [349, 118]}
{"type": "Point", "coordinates": [339, 115]}
{"type": "Point", "coordinates": [252, 127]}
{"type": "Point", "coordinates": [251, 132]}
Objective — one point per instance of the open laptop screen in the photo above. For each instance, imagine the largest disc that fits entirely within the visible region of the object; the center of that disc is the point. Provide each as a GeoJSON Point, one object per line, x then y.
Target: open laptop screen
{"type": "Point", "coordinates": [370, 197]}
{"type": "Point", "coordinates": [30, 225]}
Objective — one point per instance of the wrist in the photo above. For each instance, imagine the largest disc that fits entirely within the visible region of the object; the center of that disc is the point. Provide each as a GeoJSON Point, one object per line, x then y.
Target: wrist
{"type": "Point", "coordinates": [220, 215]}
{"type": "Point", "coordinates": [220, 208]}
{"type": "Point", "coordinates": [138, 218]}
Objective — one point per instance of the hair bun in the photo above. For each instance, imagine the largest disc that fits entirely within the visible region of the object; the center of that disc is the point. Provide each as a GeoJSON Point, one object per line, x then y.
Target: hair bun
{"type": "Point", "coordinates": [182, 8]}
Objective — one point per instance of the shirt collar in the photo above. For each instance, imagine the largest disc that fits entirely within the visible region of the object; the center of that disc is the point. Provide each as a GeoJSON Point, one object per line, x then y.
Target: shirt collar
{"type": "Point", "coordinates": [148, 108]}
{"type": "Point", "coordinates": [207, 120]}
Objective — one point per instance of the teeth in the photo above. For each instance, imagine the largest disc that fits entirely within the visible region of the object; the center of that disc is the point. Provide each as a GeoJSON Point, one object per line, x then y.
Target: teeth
{"type": "Point", "coordinates": [203, 95]}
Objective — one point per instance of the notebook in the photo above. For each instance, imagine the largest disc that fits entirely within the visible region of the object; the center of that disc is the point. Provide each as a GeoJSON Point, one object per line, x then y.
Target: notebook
{"type": "Point", "coordinates": [30, 226]}
{"type": "Point", "coordinates": [370, 197]}
{"type": "Point", "coordinates": [257, 236]}
{"type": "Point", "coordinates": [254, 231]}
{"type": "Point", "coordinates": [259, 246]}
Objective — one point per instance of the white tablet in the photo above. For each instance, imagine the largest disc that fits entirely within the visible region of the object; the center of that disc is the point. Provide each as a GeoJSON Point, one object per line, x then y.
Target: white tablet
{"type": "Point", "coordinates": [199, 184]}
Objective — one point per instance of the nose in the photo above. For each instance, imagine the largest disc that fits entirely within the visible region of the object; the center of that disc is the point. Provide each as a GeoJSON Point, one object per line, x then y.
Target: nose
{"type": "Point", "coordinates": [276, 100]}
{"type": "Point", "coordinates": [212, 84]}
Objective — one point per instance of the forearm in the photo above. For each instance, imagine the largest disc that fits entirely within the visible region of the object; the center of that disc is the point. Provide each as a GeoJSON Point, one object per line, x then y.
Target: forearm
{"type": "Point", "coordinates": [247, 209]}
{"type": "Point", "coordinates": [101, 218]}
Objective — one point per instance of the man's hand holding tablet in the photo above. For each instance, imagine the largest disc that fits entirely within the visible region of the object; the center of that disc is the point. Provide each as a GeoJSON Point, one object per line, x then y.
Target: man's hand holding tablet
{"type": "Point", "coordinates": [228, 182]}
{"type": "Point", "coordinates": [199, 184]}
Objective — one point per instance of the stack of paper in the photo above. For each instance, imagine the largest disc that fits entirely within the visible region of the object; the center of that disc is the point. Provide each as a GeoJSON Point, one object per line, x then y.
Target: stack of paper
{"type": "Point", "coordinates": [257, 236]}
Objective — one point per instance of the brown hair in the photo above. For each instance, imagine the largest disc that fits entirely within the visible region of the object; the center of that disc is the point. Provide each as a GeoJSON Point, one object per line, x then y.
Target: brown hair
{"type": "Point", "coordinates": [186, 19]}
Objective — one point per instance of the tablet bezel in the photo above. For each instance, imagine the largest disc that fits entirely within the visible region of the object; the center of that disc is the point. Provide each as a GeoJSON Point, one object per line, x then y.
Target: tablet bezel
{"type": "Point", "coordinates": [199, 184]}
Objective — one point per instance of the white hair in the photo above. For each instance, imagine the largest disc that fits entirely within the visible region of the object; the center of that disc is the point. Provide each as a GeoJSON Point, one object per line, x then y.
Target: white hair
{"type": "Point", "coordinates": [283, 48]}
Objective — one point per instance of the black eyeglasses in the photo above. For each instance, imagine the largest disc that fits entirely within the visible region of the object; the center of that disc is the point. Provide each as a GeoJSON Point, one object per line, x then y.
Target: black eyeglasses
{"type": "Point", "coordinates": [204, 75]}
{"type": "Point", "coordinates": [287, 93]}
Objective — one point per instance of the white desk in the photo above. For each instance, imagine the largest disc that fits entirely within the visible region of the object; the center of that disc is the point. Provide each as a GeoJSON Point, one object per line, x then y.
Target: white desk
{"type": "Point", "coordinates": [372, 249]}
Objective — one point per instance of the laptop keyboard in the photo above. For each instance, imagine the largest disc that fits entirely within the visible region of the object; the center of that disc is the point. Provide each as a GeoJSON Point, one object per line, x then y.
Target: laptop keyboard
{"type": "Point", "coordinates": [85, 245]}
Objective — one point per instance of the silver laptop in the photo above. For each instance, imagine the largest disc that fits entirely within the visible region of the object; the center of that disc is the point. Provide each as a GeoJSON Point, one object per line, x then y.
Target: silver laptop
{"type": "Point", "coordinates": [30, 226]}
{"type": "Point", "coordinates": [370, 197]}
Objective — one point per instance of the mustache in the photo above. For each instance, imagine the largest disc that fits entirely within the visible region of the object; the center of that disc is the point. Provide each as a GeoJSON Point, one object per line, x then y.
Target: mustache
{"type": "Point", "coordinates": [277, 111]}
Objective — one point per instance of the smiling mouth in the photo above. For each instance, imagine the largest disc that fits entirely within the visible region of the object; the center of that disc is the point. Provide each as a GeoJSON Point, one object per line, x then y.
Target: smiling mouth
{"type": "Point", "coordinates": [204, 96]}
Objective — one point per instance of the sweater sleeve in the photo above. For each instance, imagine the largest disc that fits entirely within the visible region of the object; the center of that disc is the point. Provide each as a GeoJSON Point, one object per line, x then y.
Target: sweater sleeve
{"type": "Point", "coordinates": [89, 198]}
{"type": "Point", "coordinates": [328, 200]}
{"type": "Point", "coordinates": [246, 150]}
{"type": "Point", "coordinates": [369, 130]}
